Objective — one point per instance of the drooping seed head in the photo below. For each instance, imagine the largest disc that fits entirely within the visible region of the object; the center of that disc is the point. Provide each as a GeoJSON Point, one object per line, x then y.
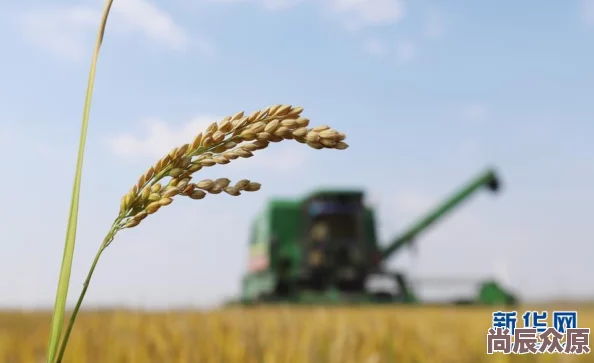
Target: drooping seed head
{"type": "Point", "coordinates": [233, 137]}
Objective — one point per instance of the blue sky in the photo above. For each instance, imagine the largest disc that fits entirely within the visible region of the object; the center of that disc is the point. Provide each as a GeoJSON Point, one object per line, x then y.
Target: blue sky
{"type": "Point", "coordinates": [429, 93]}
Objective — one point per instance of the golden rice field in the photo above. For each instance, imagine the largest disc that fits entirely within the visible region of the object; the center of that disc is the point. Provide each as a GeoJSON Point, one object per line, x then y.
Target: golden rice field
{"type": "Point", "coordinates": [270, 335]}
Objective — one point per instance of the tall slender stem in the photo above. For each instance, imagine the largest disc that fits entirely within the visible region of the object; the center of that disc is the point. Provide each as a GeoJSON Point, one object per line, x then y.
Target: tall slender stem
{"type": "Point", "coordinates": [66, 266]}
{"type": "Point", "coordinates": [110, 236]}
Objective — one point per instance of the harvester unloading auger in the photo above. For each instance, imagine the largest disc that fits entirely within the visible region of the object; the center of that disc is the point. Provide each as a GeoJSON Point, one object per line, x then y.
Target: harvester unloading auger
{"type": "Point", "coordinates": [323, 249]}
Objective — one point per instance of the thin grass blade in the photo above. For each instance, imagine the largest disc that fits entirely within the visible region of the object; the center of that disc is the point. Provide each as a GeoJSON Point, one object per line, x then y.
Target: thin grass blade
{"type": "Point", "coordinates": [57, 322]}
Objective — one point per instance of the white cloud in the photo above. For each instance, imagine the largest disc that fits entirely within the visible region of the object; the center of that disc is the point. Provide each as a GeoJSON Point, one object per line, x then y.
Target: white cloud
{"type": "Point", "coordinates": [405, 52]}
{"type": "Point", "coordinates": [61, 31]}
{"type": "Point", "coordinates": [68, 31]}
{"type": "Point", "coordinates": [155, 23]}
{"type": "Point", "coordinates": [375, 47]}
{"type": "Point", "coordinates": [587, 12]}
{"type": "Point", "coordinates": [160, 138]}
{"type": "Point", "coordinates": [361, 13]}
{"type": "Point", "coordinates": [357, 13]}
{"type": "Point", "coordinates": [266, 4]}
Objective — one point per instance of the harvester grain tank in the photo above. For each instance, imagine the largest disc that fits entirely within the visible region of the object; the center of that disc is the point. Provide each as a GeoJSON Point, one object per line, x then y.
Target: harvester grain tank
{"type": "Point", "coordinates": [324, 249]}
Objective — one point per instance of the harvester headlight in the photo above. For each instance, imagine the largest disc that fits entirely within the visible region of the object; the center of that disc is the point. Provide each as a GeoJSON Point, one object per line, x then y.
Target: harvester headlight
{"type": "Point", "coordinates": [319, 232]}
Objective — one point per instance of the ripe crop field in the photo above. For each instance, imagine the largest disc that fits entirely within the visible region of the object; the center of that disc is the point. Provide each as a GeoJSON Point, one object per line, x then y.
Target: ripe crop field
{"type": "Point", "coordinates": [270, 335]}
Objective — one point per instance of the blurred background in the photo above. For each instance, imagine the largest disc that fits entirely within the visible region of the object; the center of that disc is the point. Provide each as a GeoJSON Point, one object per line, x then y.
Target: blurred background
{"type": "Point", "coordinates": [429, 94]}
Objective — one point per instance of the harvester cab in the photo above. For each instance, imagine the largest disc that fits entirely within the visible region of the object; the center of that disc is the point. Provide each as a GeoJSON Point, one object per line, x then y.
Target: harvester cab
{"type": "Point", "coordinates": [332, 245]}
{"type": "Point", "coordinates": [323, 248]}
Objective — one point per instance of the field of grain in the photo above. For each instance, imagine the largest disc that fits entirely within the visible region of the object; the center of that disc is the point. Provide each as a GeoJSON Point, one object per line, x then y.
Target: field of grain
{"type": "Point", "coordinates": [269, 335]}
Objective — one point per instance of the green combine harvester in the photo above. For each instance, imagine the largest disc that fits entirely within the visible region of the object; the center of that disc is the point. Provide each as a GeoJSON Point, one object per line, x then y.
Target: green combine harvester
{"type": "Point", "coordinates": [324, 250]}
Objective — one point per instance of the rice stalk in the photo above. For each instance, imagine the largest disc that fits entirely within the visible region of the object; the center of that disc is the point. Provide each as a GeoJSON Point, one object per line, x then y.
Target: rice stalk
{"type": "Point", "coordinates": [57, 321]}
{"type": "Point", "coordinates": [234, 137]}
{"type": "Point", "coordinates": [237, 136]}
